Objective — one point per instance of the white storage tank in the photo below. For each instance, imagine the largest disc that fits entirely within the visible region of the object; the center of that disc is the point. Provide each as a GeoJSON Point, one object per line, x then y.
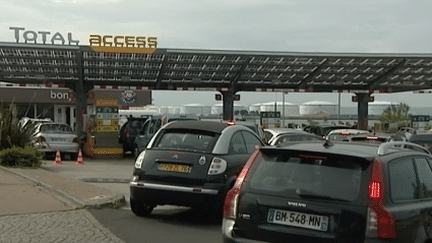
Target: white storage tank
{"type": "Point", "coordinates": [170, 110]}
{"type": "Point", "coordinates": [290, 108]}
{"type": "Point", "coordinates": [255, 108]}
{"type": "Point", "coordinates": [376, 108]}
{"type": "Point", "coordinates": [318, 108]}
{"type": "Point", "coordinates": [198, 109]}
{"type": "Point", "coordinates": [217, 109]}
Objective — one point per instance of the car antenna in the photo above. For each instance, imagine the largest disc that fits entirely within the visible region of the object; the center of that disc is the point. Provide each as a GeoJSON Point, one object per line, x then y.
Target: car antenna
{"type": "Point", "coordinates": [328, 143]}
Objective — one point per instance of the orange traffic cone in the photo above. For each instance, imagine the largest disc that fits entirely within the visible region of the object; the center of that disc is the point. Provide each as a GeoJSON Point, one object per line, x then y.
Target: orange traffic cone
{"type": "Point", "coordinates": [57, 160]}
{"type": "Point", "coordinates": [79, 158]}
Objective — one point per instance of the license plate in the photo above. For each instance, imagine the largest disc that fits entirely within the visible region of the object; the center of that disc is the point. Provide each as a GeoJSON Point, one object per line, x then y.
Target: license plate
{"type": "Point", "coordinates": [175, 168]}
{"type": "Point", "coordinates": [58, 139]}
{"type": "Point", "coordinates": [297, 219]}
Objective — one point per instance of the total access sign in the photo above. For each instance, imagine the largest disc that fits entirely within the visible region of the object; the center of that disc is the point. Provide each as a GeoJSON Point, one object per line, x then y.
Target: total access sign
{"type": "Point", "coordinates": [123, 44]}
{"type": "Point", "coordinates": [101, 43]}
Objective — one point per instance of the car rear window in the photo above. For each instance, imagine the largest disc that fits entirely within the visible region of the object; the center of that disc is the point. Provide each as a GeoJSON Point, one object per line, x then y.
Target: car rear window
{"type": "Point", "coordinates": [186, 140]}
{"type": "Point", "coordinates": [339, 137]}
{"type": "Point", "coordinates": [307, 175]}
{"type": "Point", "coordinates": [369, 139]}
{"type": "Point", "coordinates": [287, 139]}
{"type": "Point", "coordinates": [56, 128]}
{"type": "Point", "coordinates": [136, 123]}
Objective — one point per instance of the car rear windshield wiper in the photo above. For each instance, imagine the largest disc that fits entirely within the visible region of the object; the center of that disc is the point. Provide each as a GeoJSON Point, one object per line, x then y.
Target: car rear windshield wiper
{"type": "Point", "coordinates": [309, 194]}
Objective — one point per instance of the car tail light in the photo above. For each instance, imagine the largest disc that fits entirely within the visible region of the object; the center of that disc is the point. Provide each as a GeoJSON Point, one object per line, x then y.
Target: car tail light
{"type": "Point", "coordinates": [41, 139]}
{"type": "Point", "coordinates": [140, 159]}
{"type": "Point", "coordinates": [344, 133]}
{"type": "Point", "coordinates": [127, 134]}
{"type": "Point", "coordinates": [75, 140]}
{"type": "Point", "coordinates": [217, 166]}
{"type": "Point", "coordinates": [231, 198]}
{"type": "Point", "coordinates": [380, 222]}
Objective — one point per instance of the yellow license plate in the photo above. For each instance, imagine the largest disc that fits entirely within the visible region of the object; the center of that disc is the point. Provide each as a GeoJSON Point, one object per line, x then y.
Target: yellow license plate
{"type": "Point", "coordinates": [107, 129]}
{"type": "Point", "coordinates": [175, 168]}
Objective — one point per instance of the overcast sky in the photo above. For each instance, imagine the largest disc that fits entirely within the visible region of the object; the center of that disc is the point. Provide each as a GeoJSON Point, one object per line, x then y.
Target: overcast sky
{"type": "Point", "coordinates": [340, 26]}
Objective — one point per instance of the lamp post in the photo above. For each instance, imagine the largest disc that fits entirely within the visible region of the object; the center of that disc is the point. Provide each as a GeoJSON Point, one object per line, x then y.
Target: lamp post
{"type": "Point", "coordinates": [339, 107]}
{"type": "Point", "coordinates": [283, 108]}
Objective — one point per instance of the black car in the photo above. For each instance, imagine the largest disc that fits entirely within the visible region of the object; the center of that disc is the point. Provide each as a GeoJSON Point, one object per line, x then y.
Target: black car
{"type": "Point", "coordinates": [190, 163]}
{"type": "Point", "coordinates": [332, 192]}
{"type": "Point", "coordinates": [129, 131]}
{"type": "Point", "coordinates": [323, 130]}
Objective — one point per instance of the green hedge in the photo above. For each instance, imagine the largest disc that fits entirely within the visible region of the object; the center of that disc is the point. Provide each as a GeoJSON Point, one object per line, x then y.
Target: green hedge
{"type": "Point", "coordinates": [28, 157]}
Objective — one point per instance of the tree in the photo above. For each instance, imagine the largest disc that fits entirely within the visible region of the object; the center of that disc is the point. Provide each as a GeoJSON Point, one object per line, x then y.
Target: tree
{"type": "Point", "coordinates": [396, 114]}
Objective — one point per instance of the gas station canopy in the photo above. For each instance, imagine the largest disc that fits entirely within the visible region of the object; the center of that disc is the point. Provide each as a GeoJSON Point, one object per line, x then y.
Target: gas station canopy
{"type": "Point", "coordinates": [81, 68]}
{"type": "Point", "coordinates": [180, 69]}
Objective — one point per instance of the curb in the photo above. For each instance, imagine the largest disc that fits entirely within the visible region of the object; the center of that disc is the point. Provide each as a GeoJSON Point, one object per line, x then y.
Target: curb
{"type": "Point", "coordinates": [113, 202]}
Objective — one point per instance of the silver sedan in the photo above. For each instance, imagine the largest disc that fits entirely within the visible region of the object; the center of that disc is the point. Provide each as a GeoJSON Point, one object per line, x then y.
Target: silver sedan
{"type": "Point", "coordinates": [50, 137]}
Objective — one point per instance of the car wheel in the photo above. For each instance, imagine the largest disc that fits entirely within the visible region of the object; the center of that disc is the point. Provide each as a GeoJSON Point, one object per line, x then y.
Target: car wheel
{"type": "Point", "coordinates": [141, 208]}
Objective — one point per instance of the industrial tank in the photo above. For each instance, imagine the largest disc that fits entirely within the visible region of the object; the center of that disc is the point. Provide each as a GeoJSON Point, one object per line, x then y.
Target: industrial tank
{"type": "Point", "coordinates": [217, 109]}
{"type": "Point", "coordinates": [255, 108]}
{"type": "Point", "coordinates": [318, 108]}
{"type": "Point", "coordinates": [290, 108]}
{"type": "Point", "coordinates": [198, 109]}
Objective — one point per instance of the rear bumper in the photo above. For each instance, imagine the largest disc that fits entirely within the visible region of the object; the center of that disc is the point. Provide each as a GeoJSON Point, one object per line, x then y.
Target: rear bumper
{"type": "Point", "coordinates": [159, 194]}
{"type": "Point", "coordinates": [229, 236]}
{"type": "Point", "coordinates": [64, 148]}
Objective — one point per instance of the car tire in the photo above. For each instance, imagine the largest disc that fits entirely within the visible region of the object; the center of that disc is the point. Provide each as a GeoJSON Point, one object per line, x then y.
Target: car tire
{"type": "Point", "coordinates": [141, 208]}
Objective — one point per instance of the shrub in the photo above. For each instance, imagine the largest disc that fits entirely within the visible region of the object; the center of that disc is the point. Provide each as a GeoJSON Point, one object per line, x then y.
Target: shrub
{"type": "Point", "coordinates": [21, 157]}
{"type": "Point", "coordinates": [11, 133]}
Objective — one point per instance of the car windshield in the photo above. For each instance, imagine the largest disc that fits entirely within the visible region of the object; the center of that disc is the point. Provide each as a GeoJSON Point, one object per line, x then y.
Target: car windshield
{"type": "Point", "coordinates": [305, 175]}
{"type": "Point", "coordinates": [186, 140]}
{"type": "Point", "coordinates": [338, 137]}
{"type": "Point", "coordinates": [56, 128]}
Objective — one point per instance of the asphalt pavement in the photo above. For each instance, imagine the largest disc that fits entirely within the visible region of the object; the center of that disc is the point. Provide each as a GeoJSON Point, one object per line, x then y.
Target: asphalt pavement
{"type": "Point", "coordinates": [38, 205]}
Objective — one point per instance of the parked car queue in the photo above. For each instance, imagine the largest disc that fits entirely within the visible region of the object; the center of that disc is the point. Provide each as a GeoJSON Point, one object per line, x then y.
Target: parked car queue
{"type": "Point", "coordinates": [309, 191]}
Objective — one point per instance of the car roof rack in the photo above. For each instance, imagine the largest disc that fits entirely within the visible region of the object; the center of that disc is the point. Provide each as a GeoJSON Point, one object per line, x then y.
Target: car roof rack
{"type": "Point", "coordinates": [384, 148]}
{"type": "Point", "coordinates": [327, 143]}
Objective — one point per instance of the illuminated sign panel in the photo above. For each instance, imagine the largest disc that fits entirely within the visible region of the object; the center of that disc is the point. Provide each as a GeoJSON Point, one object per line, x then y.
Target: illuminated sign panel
{"type": "Point", "coordinates": [123, 44]}
{"type": "Point", "coordinates": [106, 102]}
